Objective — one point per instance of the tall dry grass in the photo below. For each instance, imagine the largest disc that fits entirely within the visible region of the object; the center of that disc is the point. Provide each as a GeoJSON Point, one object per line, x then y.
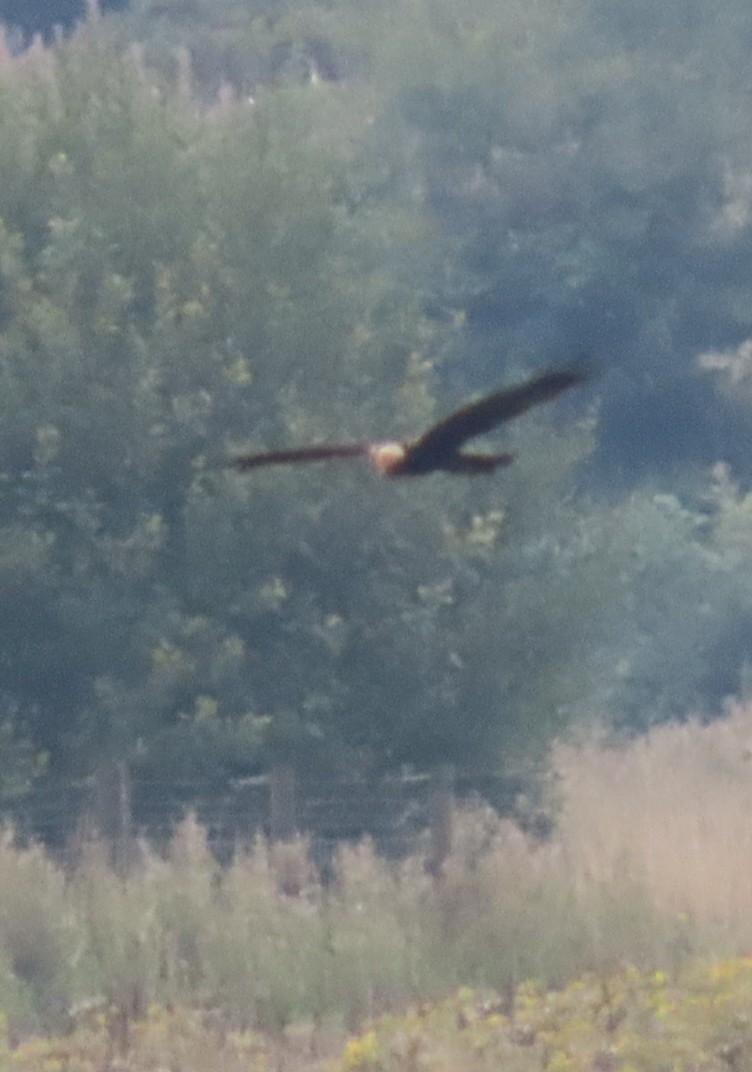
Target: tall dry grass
{"type": "Point", "coordinates": [649, 864]}
{"type": "Point", "coordinates": [671, 811]}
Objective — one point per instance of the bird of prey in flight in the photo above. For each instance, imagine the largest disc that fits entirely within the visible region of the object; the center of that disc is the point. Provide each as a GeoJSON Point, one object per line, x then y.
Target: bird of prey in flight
{"type": "Point", "coordinates": [438, 449]}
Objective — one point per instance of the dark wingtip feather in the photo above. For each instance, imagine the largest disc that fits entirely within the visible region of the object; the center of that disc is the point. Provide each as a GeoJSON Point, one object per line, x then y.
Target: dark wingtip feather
{"type": "Point", "coordinates": [583, 369]}
{"type": "Point", "coordinates": [576, 372]}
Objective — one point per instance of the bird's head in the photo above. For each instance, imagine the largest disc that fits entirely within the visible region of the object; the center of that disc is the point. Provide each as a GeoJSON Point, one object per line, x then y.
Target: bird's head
{"type": "Point", "coordinates": [388, 458]}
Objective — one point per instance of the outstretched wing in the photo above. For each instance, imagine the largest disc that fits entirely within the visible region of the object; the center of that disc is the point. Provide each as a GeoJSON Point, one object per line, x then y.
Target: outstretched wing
{"type": "Point", "coordinates": [448, 435]}
{"type": "Point", "coordinates": [299, 455]}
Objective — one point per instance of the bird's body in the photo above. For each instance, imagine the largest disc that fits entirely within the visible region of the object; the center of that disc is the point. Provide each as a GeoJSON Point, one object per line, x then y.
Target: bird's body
{"type": "Point", "coordinates": [399, 459]}
{"type": "Point", "coordinates": [438, 449]}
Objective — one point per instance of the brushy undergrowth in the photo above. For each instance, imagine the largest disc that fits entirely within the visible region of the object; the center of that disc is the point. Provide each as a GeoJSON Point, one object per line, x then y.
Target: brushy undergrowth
{"type": "Point", "coordinates": [265, 944]}
{"type": "Point", "coordinates": [189, 1040]}
{"type": "Point", "coordinates": [630, 1020]}
{"type": "Point", "coordinates": [637, 873]}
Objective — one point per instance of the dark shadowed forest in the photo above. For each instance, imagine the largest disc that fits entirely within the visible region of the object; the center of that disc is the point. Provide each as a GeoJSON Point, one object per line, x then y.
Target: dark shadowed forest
{"type": "Point", "coordinates": [232, 227]}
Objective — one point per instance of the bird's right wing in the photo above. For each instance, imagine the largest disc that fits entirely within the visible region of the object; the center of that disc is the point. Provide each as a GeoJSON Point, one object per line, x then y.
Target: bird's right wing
{"type": "Point", "coordinates": [298, 455]}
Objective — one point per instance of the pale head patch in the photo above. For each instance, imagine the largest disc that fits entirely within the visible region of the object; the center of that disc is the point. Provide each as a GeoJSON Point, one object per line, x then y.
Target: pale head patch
{"type": "Point", "coordinates": [387, 457]}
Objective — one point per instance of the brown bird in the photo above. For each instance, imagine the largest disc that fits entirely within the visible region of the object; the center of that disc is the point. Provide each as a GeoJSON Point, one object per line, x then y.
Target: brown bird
{"type": "Point", "coordinates": [438, 449]}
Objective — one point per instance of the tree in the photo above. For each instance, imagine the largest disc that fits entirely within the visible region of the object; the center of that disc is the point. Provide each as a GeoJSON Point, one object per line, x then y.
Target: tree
{"type": "Point", "coordinates": [175, 284]}
{"type": "Point", "coordinates": [179, 281]}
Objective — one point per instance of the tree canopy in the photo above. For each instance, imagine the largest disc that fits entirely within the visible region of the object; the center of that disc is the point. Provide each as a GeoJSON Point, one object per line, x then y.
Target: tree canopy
{"type": "Point", "coordinates": [238, 227]}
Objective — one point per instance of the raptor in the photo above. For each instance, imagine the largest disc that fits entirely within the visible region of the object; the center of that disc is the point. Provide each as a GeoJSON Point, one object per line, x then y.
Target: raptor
{"type": "Point", "coordinates": [440, 448]}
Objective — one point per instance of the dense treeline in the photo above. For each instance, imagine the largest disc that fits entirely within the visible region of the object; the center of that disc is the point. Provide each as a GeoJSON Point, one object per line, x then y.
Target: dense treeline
{"type": "Point", "coordinates": [46, 18]}
{"type": "Point", "coordinates": [270, 224]}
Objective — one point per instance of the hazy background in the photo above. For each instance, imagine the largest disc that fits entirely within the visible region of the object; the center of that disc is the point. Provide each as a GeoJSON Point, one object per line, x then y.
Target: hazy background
{"type": "Point", "coordinates": [232, 225]}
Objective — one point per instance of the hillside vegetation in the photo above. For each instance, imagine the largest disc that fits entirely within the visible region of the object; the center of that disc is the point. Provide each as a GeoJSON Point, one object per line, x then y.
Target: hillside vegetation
{"type": "Point", "coordinates": [199, 257]}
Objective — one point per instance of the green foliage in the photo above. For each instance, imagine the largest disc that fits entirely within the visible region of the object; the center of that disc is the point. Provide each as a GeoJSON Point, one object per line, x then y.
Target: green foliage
{"type": "Point", "coordinates": [178, 285]}
{"type": "Point", "coordinates": [329, 260]}
{"type": "Point", "coordinates": [38, 938]}
{"type": "Point", "coordinates": [233, 43]}
{"type": "Point", "coordinates": [166, 1035]}
{"type": "Point", "coordinates": [265, 943]}
{"type": "Point", "coordinates": [646, 866]}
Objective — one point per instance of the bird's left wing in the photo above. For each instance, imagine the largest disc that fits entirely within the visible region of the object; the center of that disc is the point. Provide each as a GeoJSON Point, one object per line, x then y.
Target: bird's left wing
{"type": "Point", "coordinates": [482, 416]}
